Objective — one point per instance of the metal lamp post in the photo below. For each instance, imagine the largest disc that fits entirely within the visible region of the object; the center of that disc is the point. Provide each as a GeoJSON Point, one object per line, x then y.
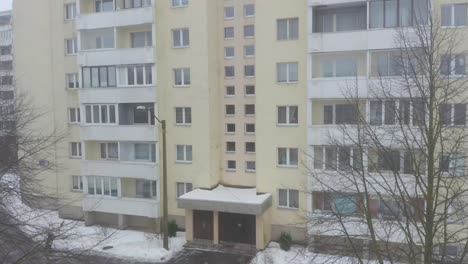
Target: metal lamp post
{"type": "Point", "coordinates": [164, 224]}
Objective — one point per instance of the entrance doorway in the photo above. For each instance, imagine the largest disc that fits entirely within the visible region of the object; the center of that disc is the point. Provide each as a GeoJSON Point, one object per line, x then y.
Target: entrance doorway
{"type": "Point", "coordinates": [203, 225]}
{"type": "Point", "coordinates": [237, 228]}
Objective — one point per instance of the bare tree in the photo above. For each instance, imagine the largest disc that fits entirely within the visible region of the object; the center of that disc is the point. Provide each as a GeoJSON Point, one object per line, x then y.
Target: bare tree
{"type": "Point", "coordinates": [390, 184]}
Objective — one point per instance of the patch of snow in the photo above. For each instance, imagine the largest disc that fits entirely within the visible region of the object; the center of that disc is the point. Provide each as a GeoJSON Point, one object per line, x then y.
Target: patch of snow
{"type": "Point", "coordinates": [227, 194]}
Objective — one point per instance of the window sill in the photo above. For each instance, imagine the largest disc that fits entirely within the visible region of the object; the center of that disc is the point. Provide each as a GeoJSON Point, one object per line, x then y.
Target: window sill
{"type": "Point", "coordinates": [67, 20]}
{"type": "Point", "coordinates": [250, 171]}
{"type": "Point", "coordinates": [183, 124]}
{"type": "Point", "coordinates": [229, 115]}
{"type": "Point", "coordinates": [251, 16]}
{"type": "Point", "coordinates": [76, 191]}
{"type": "Point", "coordinates": [74, 158]}
{"type": "Point", "coordinates": [228, 18]}
{"type": "Point", "coordinates": [249, 153]}
{"type": "Point", "coordinates": [287, 166]}
{"type": "Point", "coordinates": [181, 86]}
{"type": "Point", "coordinates": [249, 37]}
{"type": "Point", "coordinates": [287, 39]}
{"type": "Point", "coordinates": [287, 125]}
{"type": "Point", "coordinates": [230, 152]}
{"type": "Point", "coordinates": [249, 56]}
{"type": "Point", "coordinates": [229, 77]}
{"type": "Point", "coordinates": [230, 170]}
{"type": "Point", "coordinates": [287, 208]}
{"type": "Point", "coordinates": [229, 38]}
{"type": "Point", "coordinates": [229, 58]}
{"type": "Point", "coordinates": [249, 95]}
{"type": "Point", "coordinates": [250, 77]}
{"type": "Point", "coordinates": [229, 96]}
{"type": "Point", "coordinates": [71, 55]}
{"type": "Point", "coordinates": [179, 7]}
{"type": "Point", "coordinates": [230, 133]}
{"type": "Point", "coordinates": [180, 47]}
{"type": "Point", "coordinates": [287, 83]}
{"type": "Point", "coordinates": [249, 133]}
{"type": "Point", "coordinates": [183, 162]}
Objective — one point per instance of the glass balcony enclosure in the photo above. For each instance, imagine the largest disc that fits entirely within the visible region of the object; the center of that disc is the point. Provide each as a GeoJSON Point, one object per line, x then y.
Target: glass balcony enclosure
{"type": "Point", "coordinates": [337, 19]}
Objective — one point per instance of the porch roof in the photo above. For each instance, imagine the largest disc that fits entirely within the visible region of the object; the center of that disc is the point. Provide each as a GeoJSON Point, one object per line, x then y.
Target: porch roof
{"type": "Point", "coordinates": [226, 199]}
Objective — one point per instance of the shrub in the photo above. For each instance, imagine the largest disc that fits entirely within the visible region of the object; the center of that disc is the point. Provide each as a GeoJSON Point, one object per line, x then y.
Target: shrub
{"type": "Point", "coordinates": [285, 241]}
{"type": "Point", "coordinates": [172, 228]}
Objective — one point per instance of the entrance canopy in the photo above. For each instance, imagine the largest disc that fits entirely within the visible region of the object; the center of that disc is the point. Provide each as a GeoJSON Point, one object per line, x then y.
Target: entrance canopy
{"type": "Point", "coordinates": [226, 199]}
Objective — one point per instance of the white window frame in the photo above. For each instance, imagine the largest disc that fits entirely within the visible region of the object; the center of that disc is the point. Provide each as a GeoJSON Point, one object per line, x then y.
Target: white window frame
{"type": "Point", "coordinates": [185, 159]}
{"type": "Point", "coordinates": [179, 3]}
{"type": "Point", "coordinates": [247, 132]}
{"type": "Point", "coordinates": [184, 116]}
{"type": "Point", "coordinates": [452, 10]}
{"type": "Point", "coordinates": [245, 10]}
{"type": "Point", "coordinates": [73, 78]}
{"type": "Point", "coordinates": [122, 75]}
{"type": "Point", "coordinates": [226, 56]}
{"type": "Point", "coordinates": [78, 180]}
{"type": "Point", "coordinates": [228, 150]}
{"type": "Point", "coordinates": [250, 66]}
{"type": "Point", "coordinates": [233, 71]}
{"type": "Point", "coordinates": [226, 107]}
{"type": "Point", "coordinates": [250, 152]}
{"type": "Point", "coordinates": [288, 72]}
{"type": "Point", "coordinates": [247, 166]}
{"type": "Point", "coordinates": [100, 106]}
{"type": "Point", "coordinates": [185, 184]}
{"type": "Point", "coordinates": [230, 132]}
{"type": "Point", "coordinates": [79, 151]}
{"type": "Point", "coordinates": [233, 33]}
{"type": "Point", "coordinates": [231, 169]}
{"type": "Point", "coordinates": [233, 13]}
{"type": "Point", "coordinates": [245, 51]}
{"type": "Point", "coordinates": [101, 180]}
{"type": "Point", "coordinates": [150, 152]}
{"type": "Point", "coordinates": [288, 120]}
{"type": "Point", "coordinates": [288, 158]}
{"type": "Point", "coordinates": [226, 94]}
{"type": "Point", "coordinates": [182, 73]}
{"type": "Point", "coordinates": [74, 46]}
{"type": "Point", "coordinates": [107, 151]}
{"type": "Point", "coordinates": [74, 113]}
{"type": "Point", "coordinates": [181, 44]}
{"type": "Point", "coordinates": [70, 9]}
{"type": "Point", "coordinates": [288, 32]}
{"type": "Point", "coordinates": [248, 26]}
{"type": "Point", "coordinates": [288, 204]}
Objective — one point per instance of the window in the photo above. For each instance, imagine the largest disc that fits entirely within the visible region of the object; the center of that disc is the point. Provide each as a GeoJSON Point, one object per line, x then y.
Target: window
{"type": "Point", "coordinates": [452, 163]}
{"type": "Point", "coordinates": [75, 149]}
{"type": "Point", "coordinates": [249, 10]}
{"type": "Point", "coordinates": [180, 3]}
{"type": "Point", "coordinates": [287, 29]}
{"type": "Point", "coordinates": [106, 186]}
{"type": "Point", "coordinates": [250, 128]}
{"type": "Point", "coordinates": [454, 15]}
{"type": "Point", "coordinates": [103, 76]}
{"type": "Point", "coordinates": [340, 19]}
{"type": "Point", "coordinates": [230, 128]}
{"type": "Point", "coordinates": [230, 90]}
{"type": "Point", "coordinates": [344, 204]}
{"type": "Point", "coordinates": [135, 75]}
{"type": "Point", "coordinates": [6, 80]}
{"type": "Point", "coordinates": [184, 153]}
{"type": "Point", "coordinates": [77, 183]}
{"type": "Point", "coordinates": [134, 4]}
{"type": "Point", "coordinates": [249, 109]}
{"type": "Point", "coordinates": [250, 166]}
{"type": "Point", "coordinates": [229, 12]}
{"type": "Point", "coordinates": [340, 114]}
{"type": "Point", "coordinates": [104, 5]}
{"type": "Point", "coordinates": [388, 64]}
{"type": "Point", "coordinates": [287, 72]}
{"type": "Point", "coordinates": [7, 95]}
{"type": "Point", "coordinates": [230, 146]}
{"type": "Point", "coordinates": [71, 46]}
{"type": "Point", "coordinates": [183, 115]}
{"type": "Point", "coordinates": [181, 38]}
{"type": "Point", "coordinates": [288, 198]}
{"type": "Point", "coordinates": [332, 158]}
{"type": "Point", "coordinates": [100, 114]}
{"type": "Point", "coordinates": [453, 65]}
{"type": "Point", "coordinates": [249, 50]}
{"type": "Point", "coordinates": [109, 150]}
{"type": "Point", "coordinates": [145, 152]}
{"type": "Point", "coordinates": [228, 32]}
{"type": "Point", "coordinates": [452, 114]}
{"type": "Point", "coordinates": [72, 81]}
{"type": "Point", "coordinates": [287, 115]}
{"type": "Point", "coordinates": [141, 39]}
{"type": "Point", "coordinates": [5, 50]}
{"type": "Point", "coordinates": [343, 67]}
{"type": "Point", "coordinates": [231, 165]}
{"type": "Point", "coordinates": [183, 187]}
{"type": "Point", "coordinates": [146, 188]}
{"type": "Point", "coordinates": [249, 70]}
{"type": "Point", "coordinates": [74, 115]}
{"type": "Point", "coordinates": [250, 147]}
{"type": "Point", "coordinates": [249, 31]}
{"type": "Point", "coordinates": [182, 77]}
{"type": "Point", "coordinates": [249, 90]}
{"type": "Point", "coordinates": [383, 112]}
{"type": "Point", "coordinates": [70, 11]}
{"type": "Point", "coordinates": [229, 72]}
{"type": "Point", "coordinates": [228, 52]}
{"type": "Point", "coordinates": [288, 157]}
{"type": "Point", "coordinates": [398, 13]}
{"type": "Point", "coordinates": [230, 109]}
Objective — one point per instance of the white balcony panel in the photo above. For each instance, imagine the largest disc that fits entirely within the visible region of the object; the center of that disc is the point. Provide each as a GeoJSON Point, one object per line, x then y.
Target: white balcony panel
{"type": "Point", "coordinates": [353, 40]}
{"type": "Point", "coordinates": [121, 169]}
{"type": "Point", "coordinates": [121, 18]}
{"type": "Point", "coordinates": [116, 56]}
{"type": "Point", "coordinates": [333, 2]}
{"type": "Point", "coordinates": [335, 88]}
{"type": "Point", "coordinates": [8, 57]}
{"type": "Point", "coordinates": [119, 133]}
{"type": "Point", "coordinates": [6, 42]}
{"type": "Point", "coordinates": [118, 95]}
{"type": "Point", "coordinates": [126, 206]}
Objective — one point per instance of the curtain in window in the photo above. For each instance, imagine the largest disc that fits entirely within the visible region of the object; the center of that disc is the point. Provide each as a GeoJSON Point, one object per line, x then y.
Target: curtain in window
{"type": "Point", "coordinates": [461, 15]}
{"type": "Point", "coordinates": [283, 197]}
{"type": "Point", "coordinates": [376, 112]}
{"type": "Point", "coordinates": [282, 72]}
{"type": "Point", "coordinates": [293, 198]}
{"type": "Point", "coordinates": [282, 115]}
{"type": "Point", "coordinates": [282, 29]}
{"type": "Point", "coordinates": [113, 150]}
{"type": "Point", "coordinates": [294, 28]}
{"type": "Point", "coordinates": [318, 158]}
{"type": "Point", "coordinates": [293, 156]}
{"type": "Point", "coordinates": [293, 115]}
{"type": "Point", "coordinates": [282, 156]}
{"type": "Point", "coordinates": [180, 189]}
{"type": "Point", "coordinates": [345, 204]}
{"type": "Point", "coordinates": [91, 185]}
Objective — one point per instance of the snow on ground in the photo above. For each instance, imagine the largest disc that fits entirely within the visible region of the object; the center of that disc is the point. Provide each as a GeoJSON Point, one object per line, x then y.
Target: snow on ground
{"type": "Point", "coordinates": [74, 235]}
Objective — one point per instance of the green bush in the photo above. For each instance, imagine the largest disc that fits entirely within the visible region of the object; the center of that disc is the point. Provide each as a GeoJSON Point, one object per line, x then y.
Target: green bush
{"type": "Point", "coordinates": [172, 228]}
{"type": "Point", "coordinates": [285, 241]}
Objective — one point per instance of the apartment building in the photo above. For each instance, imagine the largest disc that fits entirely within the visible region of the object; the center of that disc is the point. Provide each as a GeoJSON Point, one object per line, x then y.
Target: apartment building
{"type": "Point", "coordinates": [6, 69]}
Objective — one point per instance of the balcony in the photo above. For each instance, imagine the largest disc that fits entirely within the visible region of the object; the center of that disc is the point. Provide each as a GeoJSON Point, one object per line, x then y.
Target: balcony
{"type": "Point", "coordinates": [332, 2]}
{"type": "Point", "coordinates": [121, 56]}
{"type": "Point", "coordinates": [122, 205]}
{"type": "Point", "coordinates": [336, 88]}
{"type": "Point", "coordinates": [118, 95]}
{"type": "Point", "coordinates": [7, 57]}
{"type": "Point", "coordinates": [120, 169]}
{"type": "Point", "coordinates": [119, 18]}
{"type": "Point", "coordinates": [119, 133]}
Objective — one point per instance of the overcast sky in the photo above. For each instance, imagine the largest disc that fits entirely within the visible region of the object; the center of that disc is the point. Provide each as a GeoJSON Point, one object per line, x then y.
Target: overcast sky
{"type": "Point", "coordinates": [5, 5]}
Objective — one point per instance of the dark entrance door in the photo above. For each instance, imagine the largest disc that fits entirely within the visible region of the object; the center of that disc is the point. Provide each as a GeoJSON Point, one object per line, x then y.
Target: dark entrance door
{"type": "Point", "coordinates": [237, 228]}
{"type": "Point", "coordinates": [203, 225]}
